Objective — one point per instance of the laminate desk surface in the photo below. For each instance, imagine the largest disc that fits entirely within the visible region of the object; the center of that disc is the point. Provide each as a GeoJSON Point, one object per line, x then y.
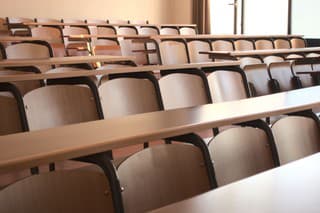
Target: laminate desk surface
{"type": "Point", "coordinates": [28, 38]}
{"type": "Point", "coordinates": [64, 60]}
{"type": "Point", "coordinates": [81, 73]}
{"type": "Point", "coordinates": [235, 54]}
{"type": "Point", "coordinates": [102, 24]}
{"type": "Point", "coordinates": [293, 188]}
{"type": "Point", "coordinates": [26, 150]}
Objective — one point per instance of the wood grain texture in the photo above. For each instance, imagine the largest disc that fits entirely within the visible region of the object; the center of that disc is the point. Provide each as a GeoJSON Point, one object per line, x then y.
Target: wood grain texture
{"type": "Point", "coordinates": [25, 150]}
{"type": "Point", "coordinates": [291, 188]}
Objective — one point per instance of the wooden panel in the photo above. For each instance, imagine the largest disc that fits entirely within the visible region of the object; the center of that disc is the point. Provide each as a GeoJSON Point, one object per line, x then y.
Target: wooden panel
{"type": "Point", "coordinates": [126, 96]}
{"type": "Point", "coordinates": [296, 137]}
{"type": "Point", "coordinates": [158, 176]}
{"type": "Point", "coordinates": [182, 90]}
{"type": "Point", "coordinates": [240, 152]}
{"type": "Point", "coordinates": [57, 105]}
{"type": "Point", "coordinates": [263, 44]}
{"type": "Point", "coordinates": [61, 191]}
{"type": "Point", "coordinates": [241, 45]}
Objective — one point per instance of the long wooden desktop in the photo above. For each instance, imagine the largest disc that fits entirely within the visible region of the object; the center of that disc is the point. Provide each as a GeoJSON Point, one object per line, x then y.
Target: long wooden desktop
{"type": "Point", "coordinates": [26, 150]}
{"type": "Point", "coordinates": [293, 188]}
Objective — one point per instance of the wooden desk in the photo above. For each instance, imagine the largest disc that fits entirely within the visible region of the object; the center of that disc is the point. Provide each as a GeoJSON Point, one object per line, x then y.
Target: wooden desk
{"type": "Point", "coordinates": [78, 73]}
{"type": "Point", "coordinates": [293, 188]}
{"type": "Point", "coordinates": [101, 24]}
{"type": "Point", "coordinates": [28, 38]}
{"type": "Point", "coordinates": [26, 150]}
{"type": "Point", "coordinates": [280, 52]}
{"type": "Point", "coordinates": [63, 60]}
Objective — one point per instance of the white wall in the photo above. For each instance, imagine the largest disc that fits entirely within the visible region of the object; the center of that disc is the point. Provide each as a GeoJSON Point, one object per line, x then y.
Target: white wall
{"type": "Point", "coordinates": [156, 11]}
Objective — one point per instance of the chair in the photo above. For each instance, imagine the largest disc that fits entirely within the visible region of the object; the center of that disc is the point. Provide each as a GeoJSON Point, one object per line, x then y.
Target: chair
{"type": "Point", "coordinates": [187, 31]}
{"type": "Point", "coordinates": [119, 21]}
{"type": "Point", "coordinates": [153, 58]}
{"type": "Point", "coordinates": [222, 45]}
{"type": "Point", "coordinates": [227, 85]}
{"type": "Point", "coordinates": [271, 59]}
{"type": "Point", "coordinates": [298, 43]}
{"type": "Point", "coordinates": [243, 45]}
{"type": "Point", "coordinates": [296, 136]}
{"type": "Point", "coordinates": [55, 36]}
{"type": "Point", "coordinates": [243, 151]}
{"type": "Point", "coordinates": [166, 30]}
{"type": "Point", "coordinates": [258, 79]}
{"type": "Point", "coordinates": [30, 50]}
{"type": "Point", "coordinates": [137, 22]}
{"type": "Point", "coordinates": [128, 48]}
{"type": "Point", "coordinates": [12, 113]}
{"type": "Point", "coordinates": [148, 30]}
{"type": "Point", "coordinates": [61, 191]}
{"type": "Point", "coordinates": [16, 27]}
{"type": "Point", "coordinates": [163, 177]}
{"type": "Point", "coordinates": [131, 93]}
{"type": "Point", "coordinates": [173, 52]}
{"type": "Point", "coordinates": [244, 61]}
{"type": "Point", "coordinates": [282, 77]}
{"type": "Point", "coordinates": [45, 20]}
{"type": "Point", "coordinates": [127, 30]}
{"type": "Point", "coordinates": [2, 52]}
{"type": "Point", "coordinates": [281, 43]}
{"type": "Point", "coordinates": [306, 79]}
{"type": "Point", "coordinates": [24, 86]}
{"type": "Point", "coordinates": [263, 44]}
{"type": "Point", "coordinates": [184, 88]}
{"type": "Point", "coordinates": [4, 30]}
{"type": "Point", "coordinates": [62, 104]}
{"type": "Point", "coordinates": [194, 47]}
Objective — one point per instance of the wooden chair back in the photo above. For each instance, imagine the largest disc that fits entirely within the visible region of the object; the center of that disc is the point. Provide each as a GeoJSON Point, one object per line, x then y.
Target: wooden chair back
{"type": "Point", "coordinates": [194, 47]}
{"type": "Point", "coordinates": [296, 137]}
{"type": "Point", "coordinates": [263, 44]}
{"type": "Point", "coordinates": [281, 44]}
{"type": "Point", "coordinates": [60, 191]}
{"type": "Point", "coordinates": [258, 79]}
{"type": "Point", "coordinates": [242, 45]}
{"type": "Point", "coordinates": [240, 152]}
{"type": "Point", "coordinates": [158, 176]}
{"type": "Point", "coordinates": [173, 52]}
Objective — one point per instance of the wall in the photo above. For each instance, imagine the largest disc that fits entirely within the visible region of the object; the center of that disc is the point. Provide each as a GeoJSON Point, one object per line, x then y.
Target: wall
{"type": "Point", "coordinates": [156, 11]}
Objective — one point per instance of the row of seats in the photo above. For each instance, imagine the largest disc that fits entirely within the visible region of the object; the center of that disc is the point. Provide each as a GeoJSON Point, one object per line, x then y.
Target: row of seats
{"type": "Point", "coordinates": [136, 93]}
{"type": "Point", "coordinates": [161, 30]}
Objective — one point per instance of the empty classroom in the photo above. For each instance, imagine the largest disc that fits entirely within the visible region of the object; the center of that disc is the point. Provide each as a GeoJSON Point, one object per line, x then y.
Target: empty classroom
{"type": "Point", "coordinates": [159, 106]}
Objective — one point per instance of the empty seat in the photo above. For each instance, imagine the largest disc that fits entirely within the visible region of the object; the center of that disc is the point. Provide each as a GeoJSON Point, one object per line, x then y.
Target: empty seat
{"type": "Point", "coordinates": [240, 152]}
{"type": "Point", "coordinates": [173, 52]}
{"type": "Point", "coordinates": [258, 79]}
{"type": "Point", "coordinates": [128, 48]}
{"type": "Point", "coordinates": [298, 43]}
{"type": "Point", "coordinates": [184, 89]}
{"type": "Point", "coordinates": [194, 47]}
{"type": "Point", "coordinates": [13, 118]}
{"type": "Point", "coordinates": [296, 137]}
{"type": "Point", "coordinates": [306, 79]}
{"type": "Point", "coordinates": [281, 74]}
{"type": "Point", "coordinates": [55, 38]}
{"type": "Point", "coordinates": [243, 45]}
{"type": "Point", "coordinates": [270, 59]}
{"type": "Point", "coordinates": [187, 31]}
{"type": "Point", "coordinates": [46, 20]}
{"type": "Point", "coordinates": [16, 26]}
{"type": "Point", "coordinates": [137, 22]}
{"type": "Point", "coordinates": [263, 44]}
{"type": "Point", "coordinates": [24, 86]}
{"type": "Point", "coordinates": [150, 30]}
{"type": "Point", "coordinates": [227, 85]}
{"type": "Point", "coordinates": [244, 61]}
{"type": "Point", "coordinates": [165, 30]}
{"type": "Point", "coordinates": [222, 45]}
{"type": "Point", "coordinates": [118, 21]}
{"type": "Point", "coordinates": [127, 30]}
{"type": "Point", "coordinates": [158, 176]}
{"type": "Point", "coordinates": [30, 50]}
{"type": "Point", "coordinates": [127, 94]}
{"type": "Point", "coordinates": [281, 43]}
{"type": "Point", "coordinates": [57, 105]}
{"type": "Point", "coordinates": [62, 191]}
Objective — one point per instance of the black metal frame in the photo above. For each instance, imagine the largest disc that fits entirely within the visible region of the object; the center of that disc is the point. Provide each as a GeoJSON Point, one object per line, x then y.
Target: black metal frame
{"type": "Point", "coordinates": [12, 26]}
{"type": "Point", "coordinates": [132, 27]}
{"type": "Point", "coordinates": [198, 142]}
{"type": "Point", "coordinates": [2, 52]}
